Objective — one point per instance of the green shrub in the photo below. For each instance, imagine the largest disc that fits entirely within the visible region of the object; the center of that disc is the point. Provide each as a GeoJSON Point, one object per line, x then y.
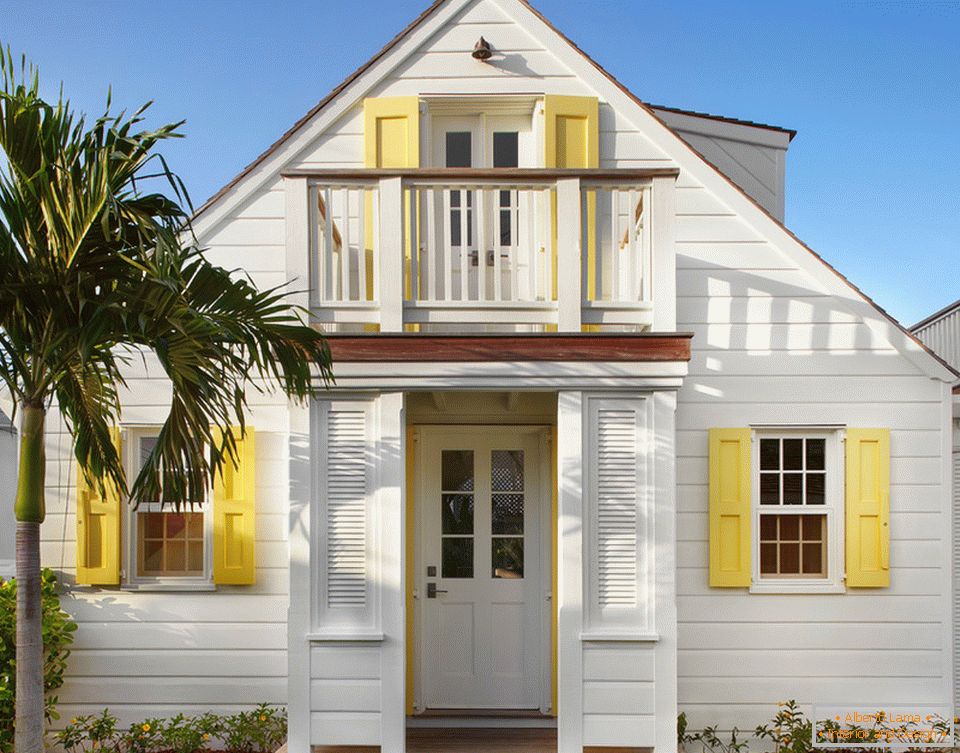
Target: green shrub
{"type": "Point", "coordinates": [58, 628]}
{"type": "Point", "coordinates": [262, 730]}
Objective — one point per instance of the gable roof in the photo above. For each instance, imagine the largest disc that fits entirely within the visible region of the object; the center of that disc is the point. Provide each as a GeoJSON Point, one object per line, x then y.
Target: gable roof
{"type": "Point", "coordinates": [874, 316]}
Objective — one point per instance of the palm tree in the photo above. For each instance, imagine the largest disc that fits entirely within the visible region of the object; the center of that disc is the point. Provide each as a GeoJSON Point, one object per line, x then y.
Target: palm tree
{"type": "Point", "coordinates": [95, 271]}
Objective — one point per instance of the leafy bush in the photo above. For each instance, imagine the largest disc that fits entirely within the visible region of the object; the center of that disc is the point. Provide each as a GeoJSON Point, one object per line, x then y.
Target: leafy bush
{"type": "Point", "coordinates": [58, 628]}
{"type": "Point", "coordinates": [791, 732]}
{"type": "Point", "coordinates": [262, 730]}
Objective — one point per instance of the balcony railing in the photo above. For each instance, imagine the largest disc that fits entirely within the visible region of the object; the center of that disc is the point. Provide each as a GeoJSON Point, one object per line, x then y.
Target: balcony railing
{"type": "Point", "coordinates": [514, 248]}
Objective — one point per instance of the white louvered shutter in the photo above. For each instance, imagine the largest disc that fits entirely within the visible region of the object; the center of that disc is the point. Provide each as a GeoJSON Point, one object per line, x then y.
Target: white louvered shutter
{"type": "Point", "coordinates": [618, 513]}
{"type": "Point", "coordinates": [346, 546]}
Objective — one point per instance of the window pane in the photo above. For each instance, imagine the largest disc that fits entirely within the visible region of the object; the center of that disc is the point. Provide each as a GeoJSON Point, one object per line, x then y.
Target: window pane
{"type": "Point", "coordinates": [457, 558]}
{"type": "Point", "coordinates": [459, 149]}
{"type": "Point", "coordinates": [813, 559]}
{"type": "Point", "coordinates": [816, 489]}
{"type": "Point", "coordinates": [789, 528]}
{"type": "Point", "coordinates": [506, 149]}
{"type": "Point", "coordinates": [457, 513]}
{"type": "Point", "coordinates": [792, 488]}
{"type": "Point", "coordinates": [176, 525]}
{"type": "Point", "coordinates": [195, 525]}
{"type": "Point", "coordinates": [507, 470]}
{"type": "Point", "coordinates": [813, 526]}
{"type": "Point", "coordinates": [196, 556]}
{"type": "Point", "coordinates": [789, 559]}
{"type": "Point", "coordinates": [792, 454]}
{"type": "Point", "coordinates": [176, 555]}
{"type": "Point", "coordinates": [507, 513]}
{"type": "Point", "coordinates": [768, 559]}
{"type": "Point", "coordinates": [457, 470]}
{"type": "Point", "coordinates": [816, 452]}
{"type": "Point", "coordinates": [769, 454]}
{"type": "Point", "coordinates": [769, 488]}
{"type": "Point", "coordinates": [152, 557]}
{"type": "Point", "coordinates": [768, 527]}
{"type": "Point", "coordinates": [151, 524]}
{"type": "Point", "coordinates": [507, 558]}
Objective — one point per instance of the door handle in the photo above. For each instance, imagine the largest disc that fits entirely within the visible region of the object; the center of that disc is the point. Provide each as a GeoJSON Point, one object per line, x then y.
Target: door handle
{"type": "Point", "coordinates": [432, 590]}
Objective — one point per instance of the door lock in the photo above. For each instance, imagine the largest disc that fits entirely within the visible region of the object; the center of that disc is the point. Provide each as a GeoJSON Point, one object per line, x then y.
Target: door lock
{"type": "Point", "coordinates": [432, 591]}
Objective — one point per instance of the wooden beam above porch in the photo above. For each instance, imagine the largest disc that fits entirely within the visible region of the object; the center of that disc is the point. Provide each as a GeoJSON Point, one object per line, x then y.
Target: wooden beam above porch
{"type": "Point", "coordinates": [603, 347]}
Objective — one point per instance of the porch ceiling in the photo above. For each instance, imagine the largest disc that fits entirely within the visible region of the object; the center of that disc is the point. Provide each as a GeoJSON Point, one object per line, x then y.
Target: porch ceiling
{"type": "Point", "coordinates": [594, 347]}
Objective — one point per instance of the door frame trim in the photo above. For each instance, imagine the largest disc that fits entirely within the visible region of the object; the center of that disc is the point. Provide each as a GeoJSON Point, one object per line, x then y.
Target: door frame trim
{"type": "Point", "coordinates": [545, 519]}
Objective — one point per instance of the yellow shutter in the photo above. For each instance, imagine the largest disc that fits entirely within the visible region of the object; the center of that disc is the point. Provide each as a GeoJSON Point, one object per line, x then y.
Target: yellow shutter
{"type": "Point", "coordinates": [98, 529]}
{"type": "Point", "coordinates": [730, 504]}
{"type": "Point", "coordinates": [234, 517]}
{"type": "Point", "coordinates": [868, 507]}
{"type": "Point", "coordinates": [391, 139]}
{"type": "Point", "coordinates": [572, 140]}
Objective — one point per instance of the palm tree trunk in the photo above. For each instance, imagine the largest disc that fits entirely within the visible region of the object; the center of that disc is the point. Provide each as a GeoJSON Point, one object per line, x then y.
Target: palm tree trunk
{"type": "Point", "coordinates": [29, 508]}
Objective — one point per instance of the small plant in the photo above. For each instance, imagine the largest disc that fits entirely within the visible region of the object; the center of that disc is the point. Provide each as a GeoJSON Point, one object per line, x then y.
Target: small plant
{"type": "Point", "coordinates": [262, 730]}
{"type": "Point", "coordinates": [89, 733]}
{"type": "Point", "coordinates": [259, 731]}
{"type": "Point", "coordinates": [58, 629]}
{"type": "Point", "coordinates": [790, 731]}
{"type": "Point", "coordinates": [708, 739]}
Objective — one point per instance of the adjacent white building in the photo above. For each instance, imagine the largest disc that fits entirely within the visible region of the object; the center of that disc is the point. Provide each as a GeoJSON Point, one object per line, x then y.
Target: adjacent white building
{"type": "Point", "coordinates": [607, 441]}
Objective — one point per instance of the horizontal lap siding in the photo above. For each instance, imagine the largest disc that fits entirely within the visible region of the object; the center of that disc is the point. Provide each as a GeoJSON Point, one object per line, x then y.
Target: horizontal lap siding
{"type": "Point", "coordinates": [770, 347]}
{"type": "Point", "coordinates": [618, 694]}
{"type": "Point", "coordinates": [157, 654]}
{"type": "Point", "coordinates": [345, 693]}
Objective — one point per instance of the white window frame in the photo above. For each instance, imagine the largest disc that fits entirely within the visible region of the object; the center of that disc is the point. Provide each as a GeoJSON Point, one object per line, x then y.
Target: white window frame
{"type": "Point", "coordinates": [131, 577]}
{"type": "Point", "coordinates": [833, 508]}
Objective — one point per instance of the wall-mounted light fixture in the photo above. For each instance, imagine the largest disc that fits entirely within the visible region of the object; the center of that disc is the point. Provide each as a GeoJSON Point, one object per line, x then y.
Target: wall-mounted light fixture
{"type": "Point", "coordinates": [481, 50]}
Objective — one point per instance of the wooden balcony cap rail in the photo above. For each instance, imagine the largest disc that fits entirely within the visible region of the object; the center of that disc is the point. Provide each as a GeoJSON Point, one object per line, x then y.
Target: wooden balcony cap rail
{"type": "Point", "coordinates": [502, 174]}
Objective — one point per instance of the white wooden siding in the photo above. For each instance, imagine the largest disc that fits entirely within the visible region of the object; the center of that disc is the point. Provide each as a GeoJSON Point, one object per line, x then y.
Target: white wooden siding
{"type": "Point", "coordinates": [148, 653]}
{"type": "Point", "coordinates": [770, 347]}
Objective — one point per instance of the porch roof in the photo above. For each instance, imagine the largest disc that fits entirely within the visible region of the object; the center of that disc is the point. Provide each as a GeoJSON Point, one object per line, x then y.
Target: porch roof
{"type": "Point", "coordinates": [513, 347]}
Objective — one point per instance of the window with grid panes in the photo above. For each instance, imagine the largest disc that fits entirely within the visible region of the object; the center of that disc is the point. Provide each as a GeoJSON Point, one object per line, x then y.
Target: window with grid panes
{"type": "Point", "coordinates": [797, 506]}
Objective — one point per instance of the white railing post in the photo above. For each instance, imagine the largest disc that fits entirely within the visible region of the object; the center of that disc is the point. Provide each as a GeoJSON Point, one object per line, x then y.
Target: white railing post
{"type": "Point", "coordinates": [569, 292]}
{"type": "Point", "coordinates": [299, 265]}
{"type": "Point", "coordinates": [663, 286]}
{"type": "Point", "coordinates": [390, 227]}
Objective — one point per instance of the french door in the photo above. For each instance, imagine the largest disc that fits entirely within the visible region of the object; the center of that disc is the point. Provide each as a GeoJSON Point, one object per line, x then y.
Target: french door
{"type": "Point", "coordinates": [483, 622]}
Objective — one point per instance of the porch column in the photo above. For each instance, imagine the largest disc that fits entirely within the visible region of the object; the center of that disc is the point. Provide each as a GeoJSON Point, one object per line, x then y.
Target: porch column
{"type": "Point", "coordinates": [391, 453]}
{"type": "Point", "coordinates": [616, 591]}
{"type": "Point", "coordinates": [569, 573]}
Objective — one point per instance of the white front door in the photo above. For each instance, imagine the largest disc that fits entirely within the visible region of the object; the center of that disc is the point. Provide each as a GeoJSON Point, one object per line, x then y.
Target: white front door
{"type": "Point", "coordinates": [483, 625]}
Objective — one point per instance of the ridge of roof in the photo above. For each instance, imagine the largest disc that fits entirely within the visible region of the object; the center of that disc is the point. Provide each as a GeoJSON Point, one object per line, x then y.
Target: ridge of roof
{"type": "Point", "coordinates": [948, 309]}
{"type": "Point", "coordinates": [726, 119]}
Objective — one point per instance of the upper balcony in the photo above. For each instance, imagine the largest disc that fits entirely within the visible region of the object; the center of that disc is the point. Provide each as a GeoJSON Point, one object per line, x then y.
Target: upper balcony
{"type": "Point", "coordinates": [500, 249]}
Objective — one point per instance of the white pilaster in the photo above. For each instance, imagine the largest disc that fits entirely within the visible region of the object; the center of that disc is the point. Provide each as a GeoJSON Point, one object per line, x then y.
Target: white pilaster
{"type": "Point", "coordinates": [570, 573]}
{"type": "Point", "coordinates": [302, 459]}
{"type": "Point", "coordinates": [391, 454]}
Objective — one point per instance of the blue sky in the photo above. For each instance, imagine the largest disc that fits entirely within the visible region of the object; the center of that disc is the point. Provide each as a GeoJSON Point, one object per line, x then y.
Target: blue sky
{"type": "Point", "coordinates": [873, 178]}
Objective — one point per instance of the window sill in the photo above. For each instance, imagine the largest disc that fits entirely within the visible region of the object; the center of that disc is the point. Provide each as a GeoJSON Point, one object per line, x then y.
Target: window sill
{"type": "Point", "coordinates": [344, 637]}
{"type": "Point", "coordinates": [618, 636]}
{"type": "Point", "coordinates": [816, 587]}
{"type": "Point", "coordinates": [169, 587]}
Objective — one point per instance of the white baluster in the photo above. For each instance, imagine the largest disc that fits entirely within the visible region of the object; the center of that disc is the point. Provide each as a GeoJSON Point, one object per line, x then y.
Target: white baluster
{"type": "Point", "coordinates": [433, 252]}
{"type": "Point", "coordinates": [327, 244]}
{"type": "Point", "coordinates": [464, 246]}
{"type": "Point", "coordinates": [345, 245]}
{"type": "Point", "coordinates": [482, 203]}
{"type": "Point", "coordinates": [514, 242]}
{"type": "Point", "coordinates": [362, 245]}
{"type": "Point", "coordinates": [447, 246]}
